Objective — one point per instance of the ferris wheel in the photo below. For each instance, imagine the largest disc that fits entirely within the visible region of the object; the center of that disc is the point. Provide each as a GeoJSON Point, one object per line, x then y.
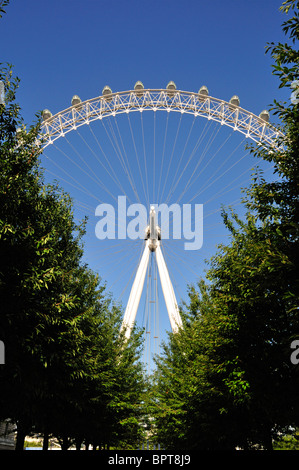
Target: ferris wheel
{"type": "Point", "coordinates": [152, 176]}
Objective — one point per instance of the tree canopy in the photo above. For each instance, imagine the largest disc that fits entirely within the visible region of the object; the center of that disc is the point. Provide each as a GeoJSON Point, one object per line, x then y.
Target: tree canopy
{"type": "Point", "coordinates": [68, 372]}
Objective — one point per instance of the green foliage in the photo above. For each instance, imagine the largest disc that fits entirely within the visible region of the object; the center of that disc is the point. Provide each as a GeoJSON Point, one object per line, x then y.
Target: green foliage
{"type": "Point", "coordinates": [3, 4]}
{"type": "Point", "coordinates": [287, 441]}
{"type": "Point", "coordinates": [68, 372]}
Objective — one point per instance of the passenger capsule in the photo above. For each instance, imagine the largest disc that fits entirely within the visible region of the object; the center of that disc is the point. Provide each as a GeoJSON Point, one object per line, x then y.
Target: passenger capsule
{"type": "Point", "coordinates": [76, 100]}
{"type": "Point", "coordinates": [264, 115]}
{"type": "Point", "coordinates": [107, 92]}
{"type": "Point", "coordinates": [203, 92]}
{"type": "Point", "coordinates": [139, 89]}
{"type": "Point", "coordinates": [171, 87]}
{"type": "Point", "coordinates": [235, 101]}
{"type": "Point", "coordinates": [46, 114]}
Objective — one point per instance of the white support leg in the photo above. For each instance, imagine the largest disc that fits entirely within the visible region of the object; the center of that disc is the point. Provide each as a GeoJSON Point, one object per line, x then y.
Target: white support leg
{"type": "Point", "coordinates": [136, 291]}
{"type": "Point", "coordinates": [152, 244]}
{"type": "Point", "coordinates": [168, 292]}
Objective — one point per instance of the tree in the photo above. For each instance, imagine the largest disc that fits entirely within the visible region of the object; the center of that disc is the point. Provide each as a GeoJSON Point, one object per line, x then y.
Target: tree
{"type": "Point", "coordinates": [108, 397]}
{"type": "Point", "coordinates": [41, 251]}
{"type": "Point", "coordinates": [195, 377]}
{"type": "Point", "coordinates": [68, 371]}
{"type": "Point", "coordinates": [65, 357]}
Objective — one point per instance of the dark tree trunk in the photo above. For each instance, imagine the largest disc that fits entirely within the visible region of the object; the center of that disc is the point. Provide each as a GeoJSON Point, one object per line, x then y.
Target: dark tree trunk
{"type": "Point", "coordinates": [78, 444]}
{"type": "Point", "coordinates": [46, 441]}
{"type": "Point", "coordinates": [21, 434]}
{"type": "Point", "coordinates": [65, 444]}
{"type": "Point", "coordinates": [268, 442]}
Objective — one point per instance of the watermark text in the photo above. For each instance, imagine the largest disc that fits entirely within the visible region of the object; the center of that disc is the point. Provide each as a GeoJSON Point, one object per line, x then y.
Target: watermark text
{"type": "Point", "coordinates": [295, 353]}
{"type": "Point", "coordinates": [130, 221]}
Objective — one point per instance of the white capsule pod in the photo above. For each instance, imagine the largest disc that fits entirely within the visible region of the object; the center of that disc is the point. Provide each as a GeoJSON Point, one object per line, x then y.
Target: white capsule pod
{"type": "Point", "coordinates": [203, 92]}
{"type": "Point", "coordinates": [46, 114]}
{"type": "Point", "coordinates": [138, 88]}
{"type": "Point", "coordinates": [76, 101]}
{"type": "Point", "coordinates": [171, 87]}
{"type": "Point", "coordinates": [264, 115]}
{"type": "Point", "coordinates": [235, 101]}
{"type": "Point", "coordinates": [107, 92]}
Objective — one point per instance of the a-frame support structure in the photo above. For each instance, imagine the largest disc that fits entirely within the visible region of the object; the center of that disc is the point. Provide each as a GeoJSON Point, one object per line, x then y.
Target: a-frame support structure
{"type": "Point", "coordinates": [152, 244]}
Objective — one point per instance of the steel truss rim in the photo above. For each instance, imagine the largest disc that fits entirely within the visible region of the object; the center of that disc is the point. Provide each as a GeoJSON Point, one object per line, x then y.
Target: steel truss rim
{"type": "Point", "coordinates": [223, 112]}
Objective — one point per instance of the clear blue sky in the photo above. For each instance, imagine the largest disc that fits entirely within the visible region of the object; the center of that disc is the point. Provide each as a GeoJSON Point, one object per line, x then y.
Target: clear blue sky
{"type": "Point", "coordinates": [64, 47]}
